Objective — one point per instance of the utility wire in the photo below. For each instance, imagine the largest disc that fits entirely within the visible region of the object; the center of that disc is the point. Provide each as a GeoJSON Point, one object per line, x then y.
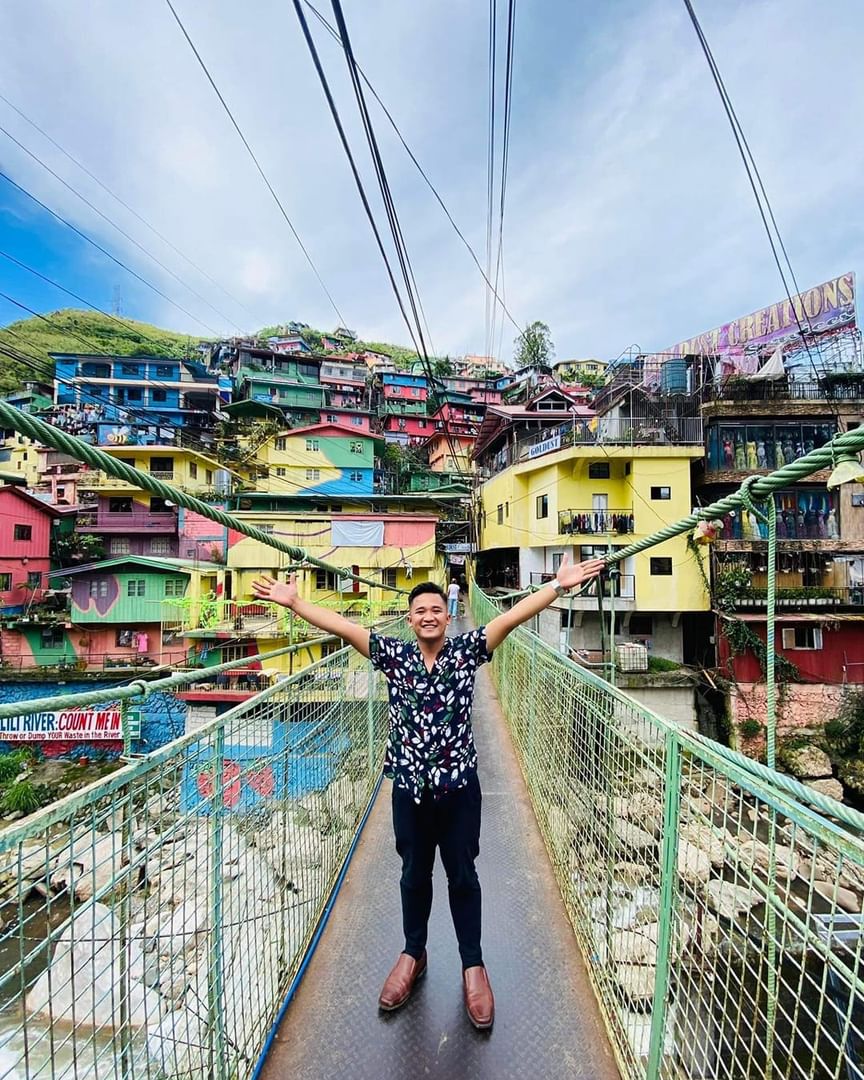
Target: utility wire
{"type": "Point", "coordinates": [257, 163]}
{"type": "Point", "coordinates": [335, 35]}
{"type": "Point", "coordinates": [490, 158]}
{"type": "Point", "coordinates": [105, 252]}
{"type": "Point", "coordinates": [393, 218]}
{"type": "Point", "coordinates": [121, 231]}
{"type": "Point", "coordinates": [505, 156]}
{"type": "Point", "coordinates": [129, 209]}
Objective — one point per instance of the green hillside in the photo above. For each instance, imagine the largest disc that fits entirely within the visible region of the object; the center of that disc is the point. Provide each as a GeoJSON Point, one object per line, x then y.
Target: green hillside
{"type": "Point", "coordinates": [76, 331]}
{"type": "Point", "coordinates": [81, 331]}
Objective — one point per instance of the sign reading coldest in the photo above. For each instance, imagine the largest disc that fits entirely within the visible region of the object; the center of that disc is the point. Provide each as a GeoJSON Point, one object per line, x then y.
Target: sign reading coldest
{"type": "Point", "coordinates": [78, 725]}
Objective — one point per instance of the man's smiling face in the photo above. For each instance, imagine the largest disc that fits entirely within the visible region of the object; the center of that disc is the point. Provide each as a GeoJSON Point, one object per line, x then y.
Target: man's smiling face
{"type": "Point", "coordinates": [428, 617]}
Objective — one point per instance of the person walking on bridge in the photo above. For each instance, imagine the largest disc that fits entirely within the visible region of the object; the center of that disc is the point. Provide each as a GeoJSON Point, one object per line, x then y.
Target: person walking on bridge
{"type": "Point", "coordinates": [432, 761]}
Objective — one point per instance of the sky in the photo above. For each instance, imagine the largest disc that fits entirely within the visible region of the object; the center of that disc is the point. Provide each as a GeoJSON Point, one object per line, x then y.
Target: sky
{"type": "Point", "coordinates": [629, 218]}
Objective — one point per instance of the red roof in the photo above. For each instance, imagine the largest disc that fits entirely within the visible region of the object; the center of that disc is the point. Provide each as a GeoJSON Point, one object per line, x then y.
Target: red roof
{"type": "Point", "coordinates": [333, 429]}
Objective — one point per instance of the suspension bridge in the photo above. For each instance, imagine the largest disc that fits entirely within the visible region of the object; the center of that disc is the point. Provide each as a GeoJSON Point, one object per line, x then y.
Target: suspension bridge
{"type": "Point", "coordinates": [657, 905]}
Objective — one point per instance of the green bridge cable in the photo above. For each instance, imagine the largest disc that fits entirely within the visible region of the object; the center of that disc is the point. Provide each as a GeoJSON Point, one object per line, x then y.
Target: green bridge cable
{"type": "Point", "coordinates": [98, 459]}
{"type": "Point", "coordinates": [144, 687]}
{"type": "Point", "coordinates": [758, 489]}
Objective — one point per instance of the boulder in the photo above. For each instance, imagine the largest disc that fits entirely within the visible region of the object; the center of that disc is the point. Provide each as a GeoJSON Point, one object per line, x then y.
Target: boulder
{"type": "Point", "coordinates": [806, 762]}
{"type": "Point", "coordinates": [694, 864]}
{"type": "Point", "coordinates": [631, 874]}
{"type": "Point", "coordinates": [832, 788]}
{"type": "Point", "coordinates": [844, 899]}
{"type": "Point", "coordinates": [705, 838]}
{"type": "Point", "coordinates": [635, 946]}
{"type": "Point", "coordinates": [636, 980]}
{"type": "Point", "coordinates": [89, 864]}
{"type": "Point", "coordinates": [756, 855]}
{"type": "Point", "coordinates": [632, 836]}
{"type": "Point", "coordinates": [728, 899]}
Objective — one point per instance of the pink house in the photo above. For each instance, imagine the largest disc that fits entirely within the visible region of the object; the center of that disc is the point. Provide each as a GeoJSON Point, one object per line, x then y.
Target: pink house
{"type": "Point", "coordinates": [25, 545]}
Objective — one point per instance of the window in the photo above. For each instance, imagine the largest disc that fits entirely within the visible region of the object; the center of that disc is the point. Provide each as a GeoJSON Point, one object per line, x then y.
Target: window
{"type": "Point", "coordinates": [570, 619]}
{"type": "Point", "coordinates": [325, 579]}
{"type": "Point", "coordinates": [598, 470]}
{"type": "Point", "coordinates": [311, 444]}
{"type": "Point", "coordinates": [661, 567]}
{"type": "Point", "coordinates": [356, 447]}
{"type": "Point", "coordinates": [356, 477]}
{"type": "Point", "coordinates": [158, 505]}
{"type": "Point", "coordinates": [175, 586]}
{"type": "Point", "coordinates": [421, 424]}
{"type": "Point", "coordinates": [501, 513]}
{"type": "Point", "coordinates": [133, 393]}
{"type": "Point", "coordinates": [23, 532]}
{"type": "Point", "coordinates": [136, 587]}
{"type": "Point", "coordinates": [162, 465]}
{"type": "Point", "coordinates": [158, 395]}
{"type": "Point", "coordinates": [208, 476]}
{"type": "Point", "coordinates": [388, 577]}
{"type": "Point", "coordinates": [160, 545]}
{"type": "Point", "coordinates": [661, 493]}
{"type": "Point", "coordinates": [124, 639]}
{"type": "Point", "coordinates": [281, 470]}
{"type": "Point", "coordinates": [99, 588]}
{"type": "Point", "coordinates": [34, 579]}
{"type": "Point", "coordinates": [307, 371]}
{"type": "Point", "coordinates": [193, 471]}
{"type": "Point", "coordinates": [5, 582]}
{"type": "Point", "coordinates": [281, 443]}
{"type": "Point", "coordinates": [119, 545]}
{"type": "Point", "coordinates": [557, 556]}
{"type": "Point", "coordinates": [234, 652]}
{"type": "Point", "coordinates": [131, 369]}
{"type": "Point", "coordinates": [802, 637]}
{"type": "Point", "coordinates": [164, 371]}
{"type": "Point", "coordinates": [357, 421]}
{"type": "Point", "coordinates": [332, 418]}
{"type": "Point", "coordinates": [313, 474]}
{"type": "Point", "coordinates": [269, 529]}
{"type": "Point", "coordinates": [53, 637]}
{"type": "Point", "coordinates": [541, 506]}
{"type": "Point", "coordinates": [120, 505]}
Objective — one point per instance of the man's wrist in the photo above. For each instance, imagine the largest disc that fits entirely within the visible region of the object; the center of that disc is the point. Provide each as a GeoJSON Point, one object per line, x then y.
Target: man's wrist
{"type": "Point", "coordinates": [557, 587]}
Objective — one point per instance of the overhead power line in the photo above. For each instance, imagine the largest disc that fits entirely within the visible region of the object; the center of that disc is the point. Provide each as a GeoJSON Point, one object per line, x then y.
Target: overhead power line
{"type": "Point", "coordinates": [106, 253]}
{"type": "Point", "coordinates": [121, 231]}
{"type": "Point", "coordinates": [335, 35]}
{"type": "Point", "coordinates": [256, 162]}
{"type": "Point", "coordinates": [122, 202]}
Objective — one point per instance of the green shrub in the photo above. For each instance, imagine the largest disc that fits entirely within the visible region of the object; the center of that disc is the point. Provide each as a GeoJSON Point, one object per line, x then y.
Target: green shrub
{"type": "Point", "coordinates": [750, 729]}
{"type": "Point", "coordinates": [21, 798]}
{"type": "Point", "coordinates": [11, 764]}
{"type": "Point", "coordinates": [660, 663]}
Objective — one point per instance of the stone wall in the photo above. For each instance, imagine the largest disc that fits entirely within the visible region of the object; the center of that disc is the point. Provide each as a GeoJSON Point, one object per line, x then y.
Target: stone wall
{"type": "Point", "coordinates": [802, 708]}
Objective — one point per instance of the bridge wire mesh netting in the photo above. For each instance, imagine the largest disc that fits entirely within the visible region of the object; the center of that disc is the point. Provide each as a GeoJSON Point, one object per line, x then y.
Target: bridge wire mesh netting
{"type": "Point", "coordinates": [716, 904]}
{"type": "Point", "coordinates": [153, 922]}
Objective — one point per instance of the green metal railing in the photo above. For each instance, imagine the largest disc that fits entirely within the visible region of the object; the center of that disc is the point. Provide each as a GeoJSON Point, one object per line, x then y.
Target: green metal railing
{"type": "Point", "coordinates": [717, 903]}
{"type": "Point", "coordinates": [152, 922]}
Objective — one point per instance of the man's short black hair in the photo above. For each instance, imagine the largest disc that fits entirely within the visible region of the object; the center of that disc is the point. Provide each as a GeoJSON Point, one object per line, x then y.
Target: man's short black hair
{"type": "Point", "coordinates": [426, 587]}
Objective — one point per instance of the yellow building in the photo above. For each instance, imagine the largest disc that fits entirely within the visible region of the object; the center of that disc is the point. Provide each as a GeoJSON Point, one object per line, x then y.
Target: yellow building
{"type": "Point", "coordinates": [189, 470]}
{"type": "Point", "coordinates": [396, 549]}
{"type": "Point", "coordinates": [586, 500]}
{"type": "Point", "coordinates": [579, 369]}
{"type": "Point", "coordinates": [19, 455]}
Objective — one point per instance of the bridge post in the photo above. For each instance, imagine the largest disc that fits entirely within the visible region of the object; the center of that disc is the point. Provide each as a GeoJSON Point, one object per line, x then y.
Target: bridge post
{"type": "Point", "coordinates": [216, 1027]}
{"type": "Point", "coordinates": [668, 877]}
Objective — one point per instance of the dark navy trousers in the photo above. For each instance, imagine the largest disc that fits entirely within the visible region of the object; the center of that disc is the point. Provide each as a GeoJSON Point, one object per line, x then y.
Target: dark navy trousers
{"type": "Point", "coordinates": [451, 823]}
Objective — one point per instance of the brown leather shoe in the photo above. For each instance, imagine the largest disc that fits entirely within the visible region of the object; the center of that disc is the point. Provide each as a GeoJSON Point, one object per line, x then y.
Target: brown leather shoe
{"type": "Point", "coordinates": [400, 982]}
{"type": "Point", "coordinates": [479, 1002]}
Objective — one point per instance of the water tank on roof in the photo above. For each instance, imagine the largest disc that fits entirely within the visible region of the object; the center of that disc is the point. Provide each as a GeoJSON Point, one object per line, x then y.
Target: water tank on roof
{"type": "Point", "coordinates": [673, 377]}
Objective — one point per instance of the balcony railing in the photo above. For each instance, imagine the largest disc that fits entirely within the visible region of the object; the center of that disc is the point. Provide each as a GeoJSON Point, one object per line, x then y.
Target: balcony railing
{"type": "Point", "coordinates": [590, 522]}
{"type": "Point", "coordinates": [95, 521]}
{"type": "Point", "coordinates": [610, 431]}
{"type": "Point", "coordinates": [622, 586]}
{"type": "Point", "coordinates": [840, 387]}
{"type": "Point", "coordinates": [805, 597]}
{"type": "Point", "coordinates": [162, 474]}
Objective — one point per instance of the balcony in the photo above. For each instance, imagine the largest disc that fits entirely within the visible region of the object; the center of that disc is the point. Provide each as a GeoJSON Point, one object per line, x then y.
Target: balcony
{"type": "Point", "coordinates": [839, 386]}
{"type": "Point", "coordinates": [613, 431]}
{"type": "Point", "coordinates": [622, 587]}
{"type": "Point", "coordinates": [162, 474]}
{"type": "Point", "coordinates": [591, 522]}
{"type": "Point", "coordinates": [102, 521]}
{"type": "Point", "coordinates": [235, 685]}
{"type": "Point", "coordinates": [806, 597]}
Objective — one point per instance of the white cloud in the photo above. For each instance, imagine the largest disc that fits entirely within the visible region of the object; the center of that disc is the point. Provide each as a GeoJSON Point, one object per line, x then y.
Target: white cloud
{"type": "Point", "coordinates": [628, 215]}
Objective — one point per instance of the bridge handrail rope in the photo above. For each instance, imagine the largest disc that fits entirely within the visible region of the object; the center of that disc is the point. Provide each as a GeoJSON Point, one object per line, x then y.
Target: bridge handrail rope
{"type": "Point", "coordinates": [60, 440]}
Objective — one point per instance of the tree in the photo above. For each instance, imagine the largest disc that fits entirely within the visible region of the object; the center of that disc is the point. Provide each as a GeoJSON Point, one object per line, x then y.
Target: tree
{"type": "Point", "coordinates": [534, 346]}
{"type": "Point", "coordinates": [442, 367]}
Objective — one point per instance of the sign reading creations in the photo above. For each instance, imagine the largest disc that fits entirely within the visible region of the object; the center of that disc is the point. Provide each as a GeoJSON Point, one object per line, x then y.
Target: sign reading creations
{"type": "Point", "coordinates": [73, 725]}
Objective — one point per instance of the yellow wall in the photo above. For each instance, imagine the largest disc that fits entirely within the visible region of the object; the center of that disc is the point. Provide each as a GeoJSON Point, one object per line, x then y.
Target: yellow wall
{"type": "Point", "coordinates": [563, 478]}
{"type": "Point", "coordinates": [185, 463]}
{"type": "Point", "coordinates": [23, 458]}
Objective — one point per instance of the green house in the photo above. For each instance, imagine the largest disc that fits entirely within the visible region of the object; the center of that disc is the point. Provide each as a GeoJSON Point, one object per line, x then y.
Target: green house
{"type": "Point", "coordinates": [130, 590]}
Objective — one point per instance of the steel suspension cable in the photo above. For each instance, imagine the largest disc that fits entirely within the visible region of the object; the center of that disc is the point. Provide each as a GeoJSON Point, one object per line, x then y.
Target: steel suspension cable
{"type": "Point", "coordinates": [98, 459]}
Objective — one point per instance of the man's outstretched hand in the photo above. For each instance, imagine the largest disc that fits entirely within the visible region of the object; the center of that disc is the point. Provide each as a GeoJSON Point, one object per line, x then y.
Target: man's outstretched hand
{"type": "Point", "coordinates": [570, 576]}
{"type": "Point", "coordinates": [276, 591]}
